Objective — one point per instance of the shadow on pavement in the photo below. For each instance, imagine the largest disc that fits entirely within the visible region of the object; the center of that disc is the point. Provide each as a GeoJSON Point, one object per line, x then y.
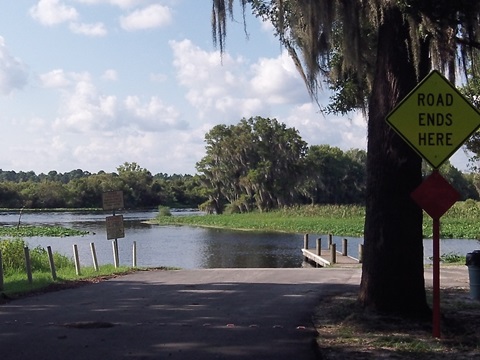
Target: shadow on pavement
{"type": "Point", "coordinates": [169, 315]}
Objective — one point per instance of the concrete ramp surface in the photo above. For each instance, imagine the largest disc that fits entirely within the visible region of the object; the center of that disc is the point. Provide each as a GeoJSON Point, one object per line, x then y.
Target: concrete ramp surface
{"type": "Point", "coordinates": [185, 314]}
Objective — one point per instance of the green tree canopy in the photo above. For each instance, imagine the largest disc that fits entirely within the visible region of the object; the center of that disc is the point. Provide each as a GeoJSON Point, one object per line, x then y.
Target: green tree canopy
{"type": "Point", "coordinates": [255, 163]}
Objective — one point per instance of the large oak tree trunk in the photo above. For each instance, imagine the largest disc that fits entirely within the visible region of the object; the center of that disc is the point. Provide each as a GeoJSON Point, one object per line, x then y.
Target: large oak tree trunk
{"type": "Point", "coordinates": [392, 278]}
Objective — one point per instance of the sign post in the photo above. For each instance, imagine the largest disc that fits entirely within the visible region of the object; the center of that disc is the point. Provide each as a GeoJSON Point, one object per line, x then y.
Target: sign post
{"type": "Point", "coordinates": [435, 195]}
{"type": "Point", "coordinates": [435, 120]}
{"type": "Point", "coordinates": [113, 200]}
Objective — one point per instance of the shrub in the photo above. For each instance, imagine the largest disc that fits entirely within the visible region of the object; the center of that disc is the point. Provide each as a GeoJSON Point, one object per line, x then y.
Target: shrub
{"type": "Point", "coordinates": [13, 256]}
{"type": "Point", "coordinates": [164, 211]}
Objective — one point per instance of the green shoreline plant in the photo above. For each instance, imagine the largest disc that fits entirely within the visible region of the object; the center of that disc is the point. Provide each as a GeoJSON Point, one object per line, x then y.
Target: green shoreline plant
{"type": "Point", "coordinates": [50, 231]}
{"type": "Point", "coordinates": [462, 221]}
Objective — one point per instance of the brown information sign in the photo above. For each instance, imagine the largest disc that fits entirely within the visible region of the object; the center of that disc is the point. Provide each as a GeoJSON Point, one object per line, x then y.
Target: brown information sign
{"type": "Point", "coordinates": [112, 200]}
{"type": "Point", "coordinates": [115, 229]}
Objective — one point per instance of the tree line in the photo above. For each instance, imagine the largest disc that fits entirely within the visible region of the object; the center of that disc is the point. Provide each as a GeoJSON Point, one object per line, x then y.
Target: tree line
{"type": "Point", "coordinates": [258, 163]}
{"type": "Point", "coordinates": [82, 189]}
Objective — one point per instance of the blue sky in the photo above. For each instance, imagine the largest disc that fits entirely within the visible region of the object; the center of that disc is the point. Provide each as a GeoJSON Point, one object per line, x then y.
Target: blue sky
{"type": "Point", "coordinates": [91, 84]}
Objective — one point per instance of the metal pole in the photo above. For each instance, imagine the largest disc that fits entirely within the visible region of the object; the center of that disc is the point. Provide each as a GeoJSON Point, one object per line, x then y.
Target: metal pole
{"type": "Point", "coordinates": [134, 254]}
{"type": "Point", "coordinates": [436, 278]}
{"type": "Point", "coordinates": [115, 257]}
{"type": "Point", "coordinates": [52, 263]}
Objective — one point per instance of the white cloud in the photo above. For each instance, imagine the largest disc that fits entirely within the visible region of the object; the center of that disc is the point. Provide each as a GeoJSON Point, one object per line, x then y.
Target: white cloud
{"type": "Point", "coordinates": [95, 30]}
{"type": "Point", "coordinates": [153, 16]}
{"type": "Point", "coordinates": [53, 12]}
{"type": "Point", "coordinates": [214, 86]}
{"type": "Point", "coordinates": [277, 80]}
{"type": "Point", "coordinates": [84, 109]}
{"type": "Point", "coordinates": [110, 75]}
{"type": "Point", "coordinates": [153, 115]}
{"type": "Point", "coordinates": [225, 91]}
{"type": "Point", "coordinates": [217, 86]}
{"type": "Point", "coordinates": [317, 129]}
{"type": "Point", "coordinates": [13, 72]}
{"type": "Point", "coordinates": [54, 79]}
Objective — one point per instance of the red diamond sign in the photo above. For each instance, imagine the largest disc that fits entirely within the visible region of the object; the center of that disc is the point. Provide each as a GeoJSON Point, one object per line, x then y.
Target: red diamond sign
{"type": "Point", "coordinates": [435, 195]}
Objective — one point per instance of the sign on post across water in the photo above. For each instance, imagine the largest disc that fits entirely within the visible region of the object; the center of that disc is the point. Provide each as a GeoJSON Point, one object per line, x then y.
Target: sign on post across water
{"type": "Point", "coordinates": [112, 200]}
{"type": "Point", "coordinates": [115, 228]}
{"type": "Point", "coordinates": [435, 119]}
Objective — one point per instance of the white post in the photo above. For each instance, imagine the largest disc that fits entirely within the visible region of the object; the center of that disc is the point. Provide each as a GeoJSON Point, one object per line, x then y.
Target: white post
{"type": "Point", "coordinates": [115, 253]}
{"type": "Point", "coordinates": [134, 254]}
{"type": "Point", "coordinates": [94, 256]}
{"type": "Point", "coordinates": [77, 259]}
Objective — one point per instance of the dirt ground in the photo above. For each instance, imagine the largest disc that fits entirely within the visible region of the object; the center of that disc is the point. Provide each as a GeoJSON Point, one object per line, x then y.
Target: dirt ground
{"type": "Point", "coordinates": [346, 332]}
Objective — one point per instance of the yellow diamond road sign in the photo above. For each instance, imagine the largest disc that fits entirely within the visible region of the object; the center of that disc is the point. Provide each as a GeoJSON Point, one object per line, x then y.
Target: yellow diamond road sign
{"type": "Point", "coordinates": [435, 119]}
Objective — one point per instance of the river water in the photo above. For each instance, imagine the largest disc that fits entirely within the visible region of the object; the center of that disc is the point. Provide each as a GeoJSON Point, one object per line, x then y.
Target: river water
{"type": "Point", "coordinates": [188, 247]}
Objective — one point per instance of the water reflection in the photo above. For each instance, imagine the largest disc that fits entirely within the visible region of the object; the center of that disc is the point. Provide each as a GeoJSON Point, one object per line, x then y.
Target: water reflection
{"type": "Point", "coordinates": [235, 249]}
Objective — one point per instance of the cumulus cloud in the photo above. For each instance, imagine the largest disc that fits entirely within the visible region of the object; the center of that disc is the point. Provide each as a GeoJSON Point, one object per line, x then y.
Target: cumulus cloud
{"type": "Point", "coordinates": [86, 109]}
{"type": "Point", "coordinates": [13, 72]}
{"type": "Point", "coordinates": [95, 30]}
{"type": "Point", "coordinates": [54, 79]}
{"type": "Point", "coordinates": [213, 86]}
{"type": "Point", "coordinates": [153, 115]}
{"type": "Point", "coordinates": [153, 16]}
{"type": "Point", "coordinates": [277, 80]}
{"type": "Point", "coordinates": [316, 128]}
{"type": "Point", "coordinates": [233, 85]}
{"type": "Point", "coordinates": [224, 91]}
{"type": "Point", "coordinates": [53, 12]}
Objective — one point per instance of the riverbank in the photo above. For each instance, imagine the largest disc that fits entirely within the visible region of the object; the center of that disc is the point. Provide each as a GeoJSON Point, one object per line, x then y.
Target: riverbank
{"type": "Point", "coordinates": [462, 221]}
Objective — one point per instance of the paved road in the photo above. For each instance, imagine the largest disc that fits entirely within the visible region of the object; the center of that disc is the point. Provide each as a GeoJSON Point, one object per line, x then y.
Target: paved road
{"type": "Point", "coordinates": [187, 314]}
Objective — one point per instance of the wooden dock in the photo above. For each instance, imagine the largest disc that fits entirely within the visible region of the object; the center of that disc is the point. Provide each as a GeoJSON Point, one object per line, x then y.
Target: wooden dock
{"type": "Point", "coordinates": [330, 257]}
{"type": "Point", "coordinates": [325, 260]}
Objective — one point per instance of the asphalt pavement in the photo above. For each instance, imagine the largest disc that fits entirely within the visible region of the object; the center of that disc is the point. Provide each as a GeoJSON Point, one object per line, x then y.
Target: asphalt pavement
{"type": "Point", "coordinates": [185, 314]}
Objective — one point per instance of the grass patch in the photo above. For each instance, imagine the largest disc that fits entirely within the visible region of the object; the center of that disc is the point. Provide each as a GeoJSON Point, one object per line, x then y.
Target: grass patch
{"type": "Point", "coordinates": [344, 220]}
{"type": "Point", "coordinates": [462, 221]}
{"type": "Point", "coordinates": [17, 285]}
